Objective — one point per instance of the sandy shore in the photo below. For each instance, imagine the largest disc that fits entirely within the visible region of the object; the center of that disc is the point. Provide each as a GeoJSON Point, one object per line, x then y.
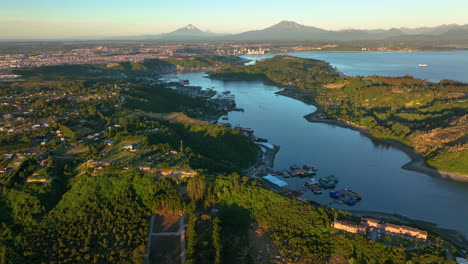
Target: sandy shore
{"type": "Point", "coordinates": [417, 162]}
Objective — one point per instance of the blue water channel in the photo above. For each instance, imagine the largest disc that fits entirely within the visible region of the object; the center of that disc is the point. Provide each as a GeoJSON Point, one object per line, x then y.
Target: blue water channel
{"type": "Point", "coordinates": [369, 168]}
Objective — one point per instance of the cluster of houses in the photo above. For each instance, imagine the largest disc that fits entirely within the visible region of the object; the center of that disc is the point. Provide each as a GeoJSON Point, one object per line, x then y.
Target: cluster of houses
{"type": "Point", "coordinates": [16, 159]}
{"type": "Point", "coordinates": [97, 55]}
{"type": "Point", "coordinates": [374, 225]}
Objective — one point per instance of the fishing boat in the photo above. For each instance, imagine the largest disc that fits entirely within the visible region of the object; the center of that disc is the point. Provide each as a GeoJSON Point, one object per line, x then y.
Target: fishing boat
{"type": "Point", "coordinates": [259, 139]}
{"type": "Point", "coordinates": [309, 173]}
{"type": "Point", "coordinates": [296, 193]}
{"type": "Point", "coordinates": [294, 167]}
{"type": "Point", "coordinates": [309, 167]}
{"type": "Point", "coordinates": [237, 109]}
{"type": "Point", "coordinates": [333, 178]}
{"type": "Point", "coordinates": [299, 173]}
{"type": "Point", "coordinates": [326, 183]}
{"type": "Point", "coordinates": [423, 65]}
{"type": "Point", "coordinates": [353, 194]}
{"type": "Point", "coordinates": [310, 182]}
{"type": "Point", "coordinates": [315, 188]}
{"type": "Point", "coordinates": [336, 195]}
{"type": "Point", "coordinates": [345, 196]}
{"type": "Point", "coordinates": [349, 200]}
{"type": "Point", "coordinates": [245, 129]}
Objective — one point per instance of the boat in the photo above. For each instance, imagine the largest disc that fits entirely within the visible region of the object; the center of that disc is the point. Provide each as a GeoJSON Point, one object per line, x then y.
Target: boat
{"type": "Point", "coordinates": [299, 173]}
{"type": "Point", "coordinates": [423, 65]}
{"type": "Point", "coordinates": [286, 174]}
{"type": "Point", "coordinates": [326, 183]}
{"type": "Point", "coordinates": [353, 194]}
{"type": "Point", "coordinates": [310, 182]}
{"type": "Point", "coordinates": [309, 167]}
{"type": "Point", "coordinates": [336, 195]}
{"type": "Point", "coordinates": [237, 109]}
{"type": "Point", "coordinates": [349, 200]}
{"type": "Point", "coordinates": [333, 178]}
{"type": "Point", "coordinates": [261, 139]}
{"type": "Point", "coordinates": [245, 129]}
{"type": "Point", "coordinates": [345, 196]}
{"type": "Point", "coordinates": [315, 188]}
{"type": "Point", "coordinates": [225, 118]}
{"type": "Point", "coordinates": [294, 167]}
{"type": "Point", "coordinates": [309, 173]}
{"type": "Point", "coordinates": [296, 193]}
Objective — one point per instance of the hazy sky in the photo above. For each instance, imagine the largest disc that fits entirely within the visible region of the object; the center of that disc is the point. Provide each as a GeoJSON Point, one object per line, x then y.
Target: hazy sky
{"type": "Point", "coordinates": [43, 19]}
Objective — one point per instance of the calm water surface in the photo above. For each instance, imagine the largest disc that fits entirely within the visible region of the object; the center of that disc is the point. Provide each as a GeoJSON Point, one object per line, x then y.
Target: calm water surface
{"type": "Point", "coordinates": [451, 65]}
{"type": "Point", "coordinates": [373, 170]}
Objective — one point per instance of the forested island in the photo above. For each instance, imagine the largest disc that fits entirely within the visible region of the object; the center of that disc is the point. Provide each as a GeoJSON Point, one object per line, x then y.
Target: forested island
{"type": "Point", "coordinates": [91, 152]}
{"type": "Point", "coordinates": [430, 118]}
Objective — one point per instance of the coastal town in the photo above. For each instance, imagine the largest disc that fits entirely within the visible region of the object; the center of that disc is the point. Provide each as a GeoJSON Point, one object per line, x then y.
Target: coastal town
{"type": "Point", "coordinates": [92, 54]}
{"type": "Point", "coordinates": [81, 53]}
{"type": "Point", "coordinates": [149, 125]}
{"type": "Point", "coordinates": [246, 132]}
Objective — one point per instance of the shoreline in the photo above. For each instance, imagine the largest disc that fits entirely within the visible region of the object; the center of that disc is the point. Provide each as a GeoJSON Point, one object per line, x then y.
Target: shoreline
{"type": "Point", "coordinates": [265, 161]}
{"type": "Point", "coordinates": [416, 162]}
{"type": "Point", "coordinates": [454, 236]}
{"type": "Point", "coordinates": [267, 157]}
{"type": "Point", "coordinates": [355, 51]}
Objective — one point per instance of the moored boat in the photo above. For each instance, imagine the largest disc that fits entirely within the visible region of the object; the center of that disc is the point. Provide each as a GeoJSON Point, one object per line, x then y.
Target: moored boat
{"type": "Point", "coordinates": [333, 178]}
{"type": "Point", "coordinates": [349, 200]}
{"type": "Point", "coordinates": [299, 173]}
{"type": "Point", "coordinates": [245, 129]}
{"type": "Point", "coordinates": [296, 193]}
{"type": "Point", "coordinates": [261, 139]}
{"type": "Point", "coordinates": [345, 196]}
{"type": "Point", "coordinates": [336, 195]}
{"type": "Point", "coordinates": [327, 183]}
{"type": "Point", "coordinates": [309, 167]}
{"type": "Point", "coordinates": [309, 173]}
{"type": "Point", "coordinates": [294, 167]}
{"type": "Point", "coordinates": [315, 188]}
{"type": "Point", "coordinates": [310, 182]}
{"type": "Point", "coordinates": [354, 194]}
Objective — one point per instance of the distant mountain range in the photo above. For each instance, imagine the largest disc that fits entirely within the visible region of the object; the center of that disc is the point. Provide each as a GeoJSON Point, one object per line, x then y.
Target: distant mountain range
{"type": "Point", "coordinates": [292, 31]}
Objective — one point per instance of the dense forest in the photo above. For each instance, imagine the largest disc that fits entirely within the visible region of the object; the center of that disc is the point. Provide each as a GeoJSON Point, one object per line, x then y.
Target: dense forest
{"type": "Point", "coordinates": [431, 118]}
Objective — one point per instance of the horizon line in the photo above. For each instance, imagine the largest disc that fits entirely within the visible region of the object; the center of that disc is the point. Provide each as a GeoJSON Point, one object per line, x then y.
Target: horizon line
{"type": "Point", "coordinates": [105, 37]}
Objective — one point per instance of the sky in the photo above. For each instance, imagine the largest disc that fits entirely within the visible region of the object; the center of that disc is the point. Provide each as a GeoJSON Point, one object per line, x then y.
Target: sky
{"type": "Point", "coordinates": [68, 19]}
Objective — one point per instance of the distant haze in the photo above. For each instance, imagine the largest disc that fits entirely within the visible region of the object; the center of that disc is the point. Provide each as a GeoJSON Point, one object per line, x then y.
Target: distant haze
{"type": "Point", "coordinates": [90, 19]}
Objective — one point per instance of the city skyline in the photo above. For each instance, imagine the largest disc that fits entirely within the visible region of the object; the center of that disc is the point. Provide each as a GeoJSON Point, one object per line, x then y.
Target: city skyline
{"type": "Point", "coordinates": [53, 19]}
